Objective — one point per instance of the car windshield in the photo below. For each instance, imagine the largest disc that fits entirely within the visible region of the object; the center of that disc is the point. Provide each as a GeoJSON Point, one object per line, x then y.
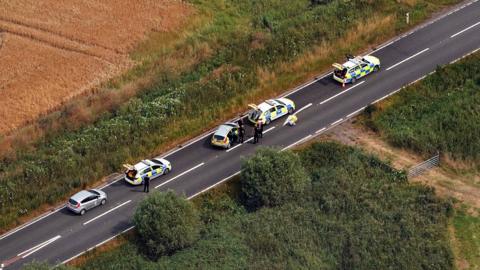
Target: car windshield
{"type": "Point", "coordinates": [218, 137]}
{"type": "Point", "coordinates": [72, 202]}
{"type": "Point", "coordinates": [93, 191]}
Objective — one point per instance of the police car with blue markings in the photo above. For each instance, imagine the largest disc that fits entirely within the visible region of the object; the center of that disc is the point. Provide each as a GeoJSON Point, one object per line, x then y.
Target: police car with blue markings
{"type": "Point", "coordinates": [270, 110]}
{"type": "Point", "coordinates": [148, 167]}
{"type": "Point", "coordinates": [355, 68]}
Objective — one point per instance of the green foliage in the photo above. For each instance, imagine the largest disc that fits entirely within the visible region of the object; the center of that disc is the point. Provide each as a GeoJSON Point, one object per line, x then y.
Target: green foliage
{"type": "Point", "coordinates": [242, 37]}
{"type": "Point", "coordinates": [467, 234]}
{"type": "Point", "coordinates": [272, 178]}
{"type": "Point", "coordinates": [439, 113]}
{"type": "Point", "coordinates": [358, 214]}
{"type": "Point", "coordinates": [166, 223]}
{"type": "Point", "coordinates": [44, 266]}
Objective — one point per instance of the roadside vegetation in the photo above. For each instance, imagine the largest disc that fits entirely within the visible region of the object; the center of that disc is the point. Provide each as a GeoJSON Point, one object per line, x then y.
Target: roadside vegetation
{"type": "Point", "coordinates": [352, 211]}
{"type": "Point", "coordinates": [440, 113]}
{"type": "Point", "coordinates": [241, 52]}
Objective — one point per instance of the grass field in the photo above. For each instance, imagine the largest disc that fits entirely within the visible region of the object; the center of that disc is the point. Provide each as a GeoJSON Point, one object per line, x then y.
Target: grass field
{"type": "Point", "coordinates": [52, 51]}
{"type": "Point", "coordinates": [439, 113]}
{"type": "Point", "coordinates": [241, 52]}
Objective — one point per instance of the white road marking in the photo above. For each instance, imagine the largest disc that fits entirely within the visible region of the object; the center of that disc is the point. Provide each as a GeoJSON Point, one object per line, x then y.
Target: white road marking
{"type": "Point", "coordinates": [228, 150]}
{"type": "Point", "coordinates": [305, 85]}
{"type": "Point", "coordinates": [188, 144]}
{"type": "Point", "coordinates": [103, 214]}
{"type": "Point", "coordinates": [270, 129]}
{"type": "Point", "coordinates": [341, 93]}
{"type": "Point", "coordinates": [36, 248]}
{"type": "Point", "coordinates": [180, 175]}
{"type": "Point", "coordinates": [297, 142]}
{"type": "Point", "coordinates": [240, 144]}
{"type": "Point", "coordinates": [320, 130]}
{"type": "Point", "coordinates": [380, 99]}
{"type": "Point", "coordinates": [355, 112]}
{"type": "Point", "coordinates": [299, 110]}
{"type": "Point", "coordinates": [408, 58]}
{"type": "Point", "coordinates": [97, 245]}
{"type": "Point", "coordinates": [336, 122]}
{"type": "Point", "coordinates": [214, 185]}
{"type": "Point", "coordinates": [466, 29]}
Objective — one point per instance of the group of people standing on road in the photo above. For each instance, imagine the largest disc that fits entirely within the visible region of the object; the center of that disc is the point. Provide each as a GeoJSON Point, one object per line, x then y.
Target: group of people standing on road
{"type": "Point", "coordinates": [257, 131]}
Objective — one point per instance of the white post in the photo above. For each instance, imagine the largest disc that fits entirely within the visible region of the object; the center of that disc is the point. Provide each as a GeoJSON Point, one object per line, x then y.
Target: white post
{"type": "Point", "coordinates": [1, 266]}
{"type": "Point", "coordinates": [408, 17]}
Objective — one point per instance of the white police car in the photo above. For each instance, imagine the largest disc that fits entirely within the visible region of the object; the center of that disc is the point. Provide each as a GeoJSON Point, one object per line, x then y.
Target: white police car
{"type": "Point", "coordinates": [270, 110]}
{"type": "Point", "coordinates": [147, 167]}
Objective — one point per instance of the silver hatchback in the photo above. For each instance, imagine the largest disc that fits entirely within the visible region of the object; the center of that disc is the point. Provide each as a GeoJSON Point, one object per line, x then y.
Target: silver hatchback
{"type": "Point", "coordinates": [85, 200]}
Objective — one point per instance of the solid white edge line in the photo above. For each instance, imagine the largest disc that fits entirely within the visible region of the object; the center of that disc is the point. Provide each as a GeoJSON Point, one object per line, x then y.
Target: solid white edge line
{"type": "Point", "coordinates": [97, 245]}
{"type": "Point", "coordinates": [214, 185]}
{"type": "Point", "coordinates": [380, 99]}
{"type": "Point", "coordinates": [341, 93]}
{"type": "Point", "coordinates": [287, 94]}
{"type": "Point", "coordinates": [466, 29]}
{"type": "Point", "coordinates": [336, 122]}
{"type": "Point", "coordinates": [188, 144]}
{"type": "Point", "coordinates": [320, 130]}
{"type": "Point", "coordinates": [180, 175]}
{"type": "Point", "coordinates": [355, 112]}
{"type": "Point", "coordinates": [36, 248]}
{"type": "Point", "coordinates": [408, 58]}
{"type": "Point", "coordinates": [103, 214]}
{"type": "Point", "coordinates": [297, 142]}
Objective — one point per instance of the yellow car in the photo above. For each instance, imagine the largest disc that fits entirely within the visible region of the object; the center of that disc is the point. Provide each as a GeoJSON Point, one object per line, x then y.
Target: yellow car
{"type": "Point", "coordinates": [225, 135]}
{"type": "Point", "coordinates": [355, 68]}
{"type": "Point", "coordinates": [270, 110]}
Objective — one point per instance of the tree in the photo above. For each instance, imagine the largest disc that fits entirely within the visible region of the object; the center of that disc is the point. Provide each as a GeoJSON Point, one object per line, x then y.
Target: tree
{"type": "Point", "coordinates": [166, 223]}
{"type": "Point", "coordinates": [271, 178]}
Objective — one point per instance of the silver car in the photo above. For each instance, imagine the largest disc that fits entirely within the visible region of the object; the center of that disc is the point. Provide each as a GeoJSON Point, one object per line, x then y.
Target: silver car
{"type": "Point", "coordinates": [86, 200]}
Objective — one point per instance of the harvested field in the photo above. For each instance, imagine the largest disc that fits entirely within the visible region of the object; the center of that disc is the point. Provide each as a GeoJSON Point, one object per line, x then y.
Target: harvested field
{"type": "Point", "coordinates": [52, 51]}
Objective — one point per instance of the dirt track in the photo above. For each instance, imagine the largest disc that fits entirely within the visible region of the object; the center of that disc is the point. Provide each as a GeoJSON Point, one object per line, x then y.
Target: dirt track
{"type": "Point", "coordinates": [53, 50]}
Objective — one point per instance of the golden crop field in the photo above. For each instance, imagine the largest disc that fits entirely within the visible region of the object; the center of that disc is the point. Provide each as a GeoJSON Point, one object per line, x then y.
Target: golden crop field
{"type": "Point", "coordinates": [53, 50]}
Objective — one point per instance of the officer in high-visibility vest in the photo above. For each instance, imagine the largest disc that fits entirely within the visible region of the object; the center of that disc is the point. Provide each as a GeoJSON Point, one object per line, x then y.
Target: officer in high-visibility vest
{"type": "Point", "coordinates": [292, 120]}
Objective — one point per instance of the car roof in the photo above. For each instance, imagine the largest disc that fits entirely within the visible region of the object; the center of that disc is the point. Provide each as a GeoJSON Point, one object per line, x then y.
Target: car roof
{"type": "Point", "coordinates": [223, 130]}
{"type": "Point", "coordinates": [79, 196]}
{"type": "Point", "coordinates": [352, 62]}
{"type": "Point", "coordinates": [142, 165]}
{"type": "Point", "coordinates": [267, 105]}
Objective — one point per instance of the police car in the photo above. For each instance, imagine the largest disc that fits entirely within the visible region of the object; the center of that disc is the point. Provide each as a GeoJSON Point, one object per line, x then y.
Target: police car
{"type": "Point", "coordinates": [148, 167]}
{"type": "Point", "coordinates": [225, 135]}
{"type": "Point", "coordinates": [355, 68]}
{"type": "Point", "coordinates": [270, 110]}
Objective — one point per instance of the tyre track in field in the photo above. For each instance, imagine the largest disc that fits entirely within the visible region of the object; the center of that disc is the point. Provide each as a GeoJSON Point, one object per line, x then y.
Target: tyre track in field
{"type": "Point", "coordinates": [59, 41]}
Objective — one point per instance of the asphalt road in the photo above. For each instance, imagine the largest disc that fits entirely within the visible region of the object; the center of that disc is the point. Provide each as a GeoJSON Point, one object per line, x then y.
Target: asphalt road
{"type": "Point", "coordinates": [60, 236]}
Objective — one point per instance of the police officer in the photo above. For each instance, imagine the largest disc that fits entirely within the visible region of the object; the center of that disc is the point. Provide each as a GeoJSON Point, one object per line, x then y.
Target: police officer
{"type": "Point", "coordinates": [146, 184]}
{"type": "Point", "coordinates": [260, 128]}
{"type": "Point", "coordinates": [255, 134]}
{"type": "Point", "coordinates": [241, 130]}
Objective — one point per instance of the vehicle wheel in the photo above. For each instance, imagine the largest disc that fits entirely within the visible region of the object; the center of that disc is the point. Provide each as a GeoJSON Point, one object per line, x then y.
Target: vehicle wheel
{"type": "Point", "coordinates": [290, 111]}
{"type": "Point", "coordinates": [376, 68]}
{"type": "Point", "coordinates": [354, 80]}
{"type": "Point", "coordinates": [103, 202]}
{"type": "Point", "coordinates": [267, 122]}
{"type": "Point", "coordinates": [228, 145]}
{"type": "Point", "coordinates": [166, 171]}
{"type": "Point", "coordinates": [82, 212]}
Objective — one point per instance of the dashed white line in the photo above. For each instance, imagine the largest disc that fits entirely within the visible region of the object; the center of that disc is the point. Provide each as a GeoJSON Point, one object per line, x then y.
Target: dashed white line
{"type": "Point", "coordinates": [103, 214]}
{"type": "Point", "coordinates": [240, 144]}
{"type": "Point", "coordinates": [341, 93]}
{"type": "Point", "coordinates": [466, 29]}
{"type": "Point", "coordinates": [180, 175]}
{"type": "Point", "coordinates": [303, 108]}
{"type": "Point", "coordinates": [355, 112]}
{"type": "Point", "coordinates": [336, 122]}
{"type": "Point", "coordinates": [36, 248]}
{"type": "Point", "coordinates": [320, 130]}
{"type": "Point", "coordinates": [408, 58]}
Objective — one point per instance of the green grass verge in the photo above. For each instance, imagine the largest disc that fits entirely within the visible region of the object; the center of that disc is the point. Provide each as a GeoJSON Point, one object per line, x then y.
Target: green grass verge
{"type": "Point", "coordinates": [358, 213]}
{"type": "Point", "coordinates": [439, 113]}
{"type": "Point", "coordinates": [467, 235]}
{"type": "Point", "coordinates": [243, 50]}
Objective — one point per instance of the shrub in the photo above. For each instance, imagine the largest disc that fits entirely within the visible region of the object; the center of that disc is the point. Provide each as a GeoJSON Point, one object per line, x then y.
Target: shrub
{"type": "Point", "coordinates": [166, 223]}
{"type": "Point", "coordinates": [272, 178]}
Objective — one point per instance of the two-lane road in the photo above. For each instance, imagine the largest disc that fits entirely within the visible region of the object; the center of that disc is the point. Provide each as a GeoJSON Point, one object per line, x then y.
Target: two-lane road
{"type": "Point", "coordinates": [60, 235]}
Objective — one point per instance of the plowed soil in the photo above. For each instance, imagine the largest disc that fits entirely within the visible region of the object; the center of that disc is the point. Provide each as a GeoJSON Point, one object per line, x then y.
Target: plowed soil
{"type": "Point", "coordinates": [53, 50]}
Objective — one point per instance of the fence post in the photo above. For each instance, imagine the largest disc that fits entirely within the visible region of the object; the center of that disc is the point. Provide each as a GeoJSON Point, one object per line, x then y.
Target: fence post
{"type": "Point", "coordinates": [407, 17]}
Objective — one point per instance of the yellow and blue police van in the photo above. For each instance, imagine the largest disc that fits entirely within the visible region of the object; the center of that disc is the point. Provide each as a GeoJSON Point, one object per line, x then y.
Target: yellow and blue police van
{"type": "Point", "coordinates": [355, 68]}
